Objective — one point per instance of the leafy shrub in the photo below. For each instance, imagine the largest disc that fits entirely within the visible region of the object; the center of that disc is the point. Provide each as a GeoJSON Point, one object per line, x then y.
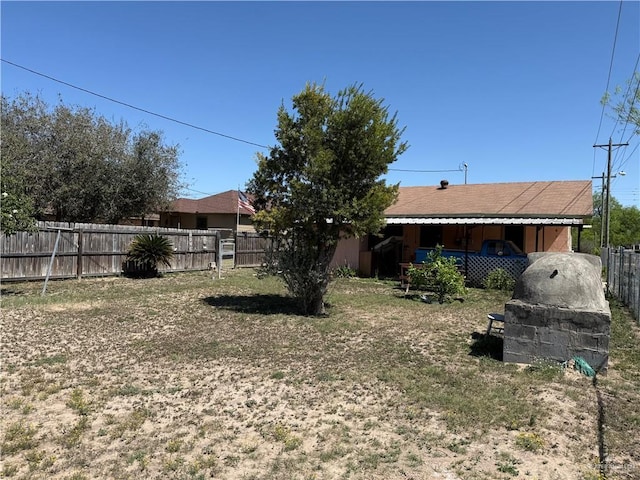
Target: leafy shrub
{"type": "Point", "coordinates": [146, 252]}
{"type": "Point", "coordinates": [344, 271]}
{"type": "Point", "coordinates": [499, 279]}
{"type": "Point", "coordinates": [438, 274]}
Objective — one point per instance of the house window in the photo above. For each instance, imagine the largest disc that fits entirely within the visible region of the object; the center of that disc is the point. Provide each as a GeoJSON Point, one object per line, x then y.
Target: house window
{"type": "Point", "coordinates": [201, 223]}
{"type": "Point", "coordinates": [515, 233]}
{"type": "Point", "coordinates": [430, 235]}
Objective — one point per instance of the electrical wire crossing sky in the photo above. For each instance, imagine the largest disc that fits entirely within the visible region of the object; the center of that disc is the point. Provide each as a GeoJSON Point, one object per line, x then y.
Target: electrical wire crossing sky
{"type": "Point", "coordinates": [512, 90]}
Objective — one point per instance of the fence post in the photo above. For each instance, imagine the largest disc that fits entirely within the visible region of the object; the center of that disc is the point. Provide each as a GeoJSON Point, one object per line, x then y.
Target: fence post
{"type": "Point", "coordinates": [620, 273]}
{"type": "Point", "coordinates": [53, 256]}
{"type": "Point", "coordinates": [608, 267]}
{"type": "Point", "coordinates": [79, 261]}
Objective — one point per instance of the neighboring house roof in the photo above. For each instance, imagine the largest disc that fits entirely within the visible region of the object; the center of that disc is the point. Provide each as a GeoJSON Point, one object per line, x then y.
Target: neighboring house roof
{"type": "Point", "coordinates": [552, 202]}
{"type": "Point", "coordinates": [225, 202]}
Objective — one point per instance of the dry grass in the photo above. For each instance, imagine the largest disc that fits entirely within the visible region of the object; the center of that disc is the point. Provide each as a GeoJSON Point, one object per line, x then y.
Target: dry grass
{"type": "Point", "coordinates": [192, 377]}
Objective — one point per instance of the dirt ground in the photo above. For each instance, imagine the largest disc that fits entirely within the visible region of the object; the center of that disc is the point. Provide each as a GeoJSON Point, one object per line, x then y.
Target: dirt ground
{"type": "Point", "coordinates": [193, 377]}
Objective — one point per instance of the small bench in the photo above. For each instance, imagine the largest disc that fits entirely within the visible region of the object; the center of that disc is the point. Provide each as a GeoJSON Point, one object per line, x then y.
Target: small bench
{"type": "Point", "coordinates": [495, 317]}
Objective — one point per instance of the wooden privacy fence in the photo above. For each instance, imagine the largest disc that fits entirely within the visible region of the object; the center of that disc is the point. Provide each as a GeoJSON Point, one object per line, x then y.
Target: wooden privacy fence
{"type": "Point", "coordinates": [86, 249]}
{"type": "Point", "coordinates": [92, 250]}
{"type": "Point", "coordinates": [623, 276]}
{"type": "Point", "coordinates": [250, 249]}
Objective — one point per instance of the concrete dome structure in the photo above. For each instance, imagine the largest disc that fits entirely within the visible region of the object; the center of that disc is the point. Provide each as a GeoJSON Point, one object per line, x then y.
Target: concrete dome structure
{"type": "Point", "coordinates": [565, 280]}
{"type": "Point", "coordinates": [558, 312]}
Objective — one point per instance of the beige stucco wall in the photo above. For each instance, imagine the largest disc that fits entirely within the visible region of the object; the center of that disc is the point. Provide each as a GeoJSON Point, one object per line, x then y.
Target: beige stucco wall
{"type": "Point", "coordinates": [347, 253]}
{"type": "Point", "coordinates": [549, 239]}
{"type": "Point", "coordinates": [214, 221]}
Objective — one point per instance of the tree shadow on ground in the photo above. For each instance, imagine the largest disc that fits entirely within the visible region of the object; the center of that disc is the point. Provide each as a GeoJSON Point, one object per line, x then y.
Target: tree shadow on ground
{"type": "Point", "coordinates": [486, 346]}
{"type": "Point", "coordinates": [10, 291]}
{"type": "Point", "coordinates": [260, 304]}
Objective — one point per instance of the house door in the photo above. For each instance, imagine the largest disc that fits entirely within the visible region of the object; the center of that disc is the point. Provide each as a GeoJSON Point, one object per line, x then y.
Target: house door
{"type": "Point", "coordinates": [387, 252]}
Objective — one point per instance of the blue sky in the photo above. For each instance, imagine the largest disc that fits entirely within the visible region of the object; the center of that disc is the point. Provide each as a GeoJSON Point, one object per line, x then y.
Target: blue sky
{"type": "Point", "coordinates": [512, 89]}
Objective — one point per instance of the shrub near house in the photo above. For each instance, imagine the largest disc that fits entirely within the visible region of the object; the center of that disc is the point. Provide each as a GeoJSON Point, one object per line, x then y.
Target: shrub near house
{"type": "Point", "coordinates": [438, 274]}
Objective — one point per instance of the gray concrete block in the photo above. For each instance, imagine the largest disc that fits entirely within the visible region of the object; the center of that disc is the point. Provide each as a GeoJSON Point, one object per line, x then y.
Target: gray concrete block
{"type": "Point", "coordinates": [524, 332]}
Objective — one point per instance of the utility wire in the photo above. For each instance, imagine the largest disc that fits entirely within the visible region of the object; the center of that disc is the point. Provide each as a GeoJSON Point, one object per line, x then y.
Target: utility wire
{"type": "Point", "coordinates": [627, 121]}
{"type": "Point", "coordinates": [624, 162]}
{"type": "Point", "coordinates": [133, 106]}
{"type": "Point", "coordinates": [626, 95]}
{"type": "Point", "coordinates": [423, 171]}
{"type": "Point", "coordinates": [635, 77]}
{"type": "Point", "coordinates": [49, 77]}
{"type": "Point", "coordinates": [198, 191]}
{"type": "Point", "coordinates": [613, 51]}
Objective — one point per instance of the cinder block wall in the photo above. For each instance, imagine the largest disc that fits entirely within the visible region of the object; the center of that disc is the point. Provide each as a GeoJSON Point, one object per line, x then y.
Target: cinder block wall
{"type": "Point", "coordinates": [535, 332]}
{"type": "Point", "coordinates": [558, 311]}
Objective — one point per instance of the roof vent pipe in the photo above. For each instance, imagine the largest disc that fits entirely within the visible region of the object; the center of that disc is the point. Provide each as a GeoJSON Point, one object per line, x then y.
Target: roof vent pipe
{"type": "Point", "coordinates": [444, 184]}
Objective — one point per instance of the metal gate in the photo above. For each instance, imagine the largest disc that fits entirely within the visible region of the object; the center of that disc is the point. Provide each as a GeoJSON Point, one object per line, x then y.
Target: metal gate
{"type": "Point", "coordinates": [226, 255]}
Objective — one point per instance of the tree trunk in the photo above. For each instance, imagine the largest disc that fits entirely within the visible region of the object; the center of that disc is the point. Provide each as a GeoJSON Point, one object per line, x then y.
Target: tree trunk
{"type": "Point", "coordinates": [316, 300]}
{"type": "Point", "coordinates": [316, 305]}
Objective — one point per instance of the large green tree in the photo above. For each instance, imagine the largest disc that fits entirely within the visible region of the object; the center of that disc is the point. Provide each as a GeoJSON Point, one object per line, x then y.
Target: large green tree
{"type": "Point", "coordinates": [624, 226]}
{"type": "Point", "coordinates": [74, 164]}
{"type": "Point", "coordinates": [624, 222]}
{"type": "Point", "coordinates": [322, 181]}
{"type": "Point", "coordinates": [16, 210]}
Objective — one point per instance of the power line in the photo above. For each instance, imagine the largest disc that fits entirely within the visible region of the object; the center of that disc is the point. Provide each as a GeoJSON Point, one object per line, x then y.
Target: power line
{"type": "Point", "coordinates": [628, 120]}
{"type": "Point", "coordinates": [133, 106]}
{"type": "Point", "coordinates": [624, 162]}
{"type": "Point", "coordinates": [424, 171]}
{"type": "Point", "coordinates": [607, 199]}
{"type": "Point", "coordinates": [613, 50]}
{"type": "Point", "coordinates": [198, 191]}
{"type": "Point", "coordinates": [634, 76]}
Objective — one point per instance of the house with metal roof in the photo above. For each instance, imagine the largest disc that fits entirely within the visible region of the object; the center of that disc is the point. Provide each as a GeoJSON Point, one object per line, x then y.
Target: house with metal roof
{"type": "Point", "coordinates": [536, 216]}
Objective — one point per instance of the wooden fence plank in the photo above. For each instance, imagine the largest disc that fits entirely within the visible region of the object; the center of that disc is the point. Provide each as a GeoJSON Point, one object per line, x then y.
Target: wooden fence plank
{"type": "Point", "coordinates": [87, 249]}
{"type": "Point", "coordinates": [250, 249]}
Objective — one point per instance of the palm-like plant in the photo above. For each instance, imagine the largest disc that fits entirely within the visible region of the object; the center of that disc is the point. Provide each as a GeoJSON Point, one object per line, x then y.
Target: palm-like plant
{"type": "Point", "coordinates": [147, 251]}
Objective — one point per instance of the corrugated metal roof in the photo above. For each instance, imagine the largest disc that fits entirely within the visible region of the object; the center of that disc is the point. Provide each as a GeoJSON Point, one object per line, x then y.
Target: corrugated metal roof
{"type": "Point", "coordinates": [482, 221]}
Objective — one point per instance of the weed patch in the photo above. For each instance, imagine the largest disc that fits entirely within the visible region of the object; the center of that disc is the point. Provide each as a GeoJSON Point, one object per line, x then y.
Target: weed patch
{"type": "Point", "coordinates": [189, 376]}
{"type": "Point", "coordinates": [17, 437]}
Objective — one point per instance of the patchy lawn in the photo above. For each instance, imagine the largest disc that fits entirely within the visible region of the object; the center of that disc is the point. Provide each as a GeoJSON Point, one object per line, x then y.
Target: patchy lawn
{"type": "Point", "coordinates": [190, 376]}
